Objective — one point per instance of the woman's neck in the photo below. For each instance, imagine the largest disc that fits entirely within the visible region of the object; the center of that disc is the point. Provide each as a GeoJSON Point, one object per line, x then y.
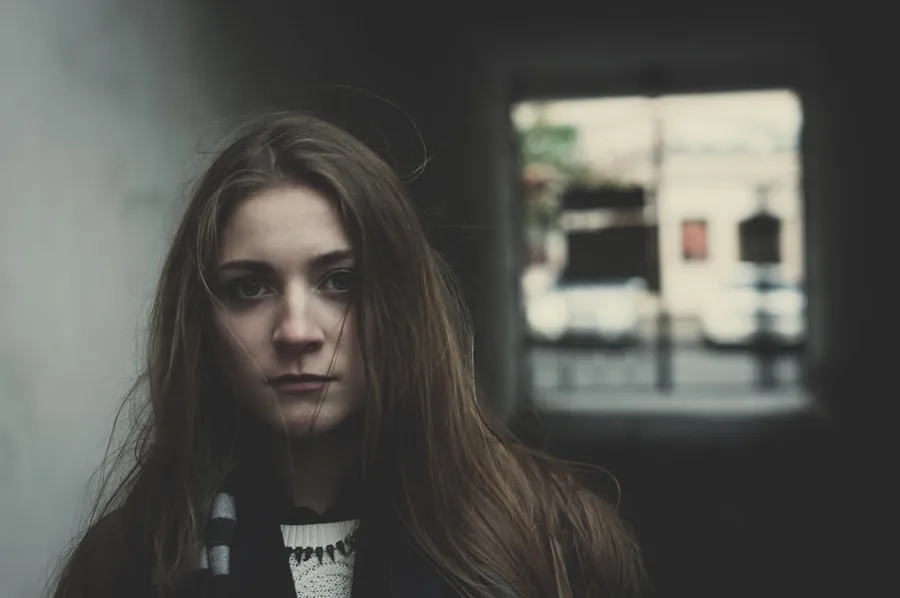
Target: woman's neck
{"type": "Point", "coordinates": [313, 473]}
{"type": "Point", "coordinates": [313, 470]}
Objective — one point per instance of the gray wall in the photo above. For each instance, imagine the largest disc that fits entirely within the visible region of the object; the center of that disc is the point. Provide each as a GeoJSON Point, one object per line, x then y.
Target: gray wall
{"type": "Point", "coordinates": [102, 108]}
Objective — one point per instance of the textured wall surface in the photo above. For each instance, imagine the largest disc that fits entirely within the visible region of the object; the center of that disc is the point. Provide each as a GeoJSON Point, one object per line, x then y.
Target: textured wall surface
{"type": "Point", "coordinates": [103, 106]}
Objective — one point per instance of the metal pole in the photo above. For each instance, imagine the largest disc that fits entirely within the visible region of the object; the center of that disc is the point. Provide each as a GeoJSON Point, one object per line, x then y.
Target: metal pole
{"type": "Point", "coordinates": [764, 345]}
{"type": "Point", "coordinates": [764, 341]}
{"type": "Point", "coordinates": [664, 378]}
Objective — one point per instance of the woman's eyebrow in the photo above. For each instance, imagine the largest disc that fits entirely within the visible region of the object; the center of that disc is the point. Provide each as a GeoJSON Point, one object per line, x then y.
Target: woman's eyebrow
{"type": "Point", "coordinates": [323, 260]}
{"type": "Point", "coordinates": [329, 258]}
{"type": "Point", "coordinates": [246, 266]}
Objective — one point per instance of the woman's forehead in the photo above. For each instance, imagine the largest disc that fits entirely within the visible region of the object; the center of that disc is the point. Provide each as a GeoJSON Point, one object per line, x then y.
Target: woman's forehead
{"type": "Point", "coordinates": [284, 224]}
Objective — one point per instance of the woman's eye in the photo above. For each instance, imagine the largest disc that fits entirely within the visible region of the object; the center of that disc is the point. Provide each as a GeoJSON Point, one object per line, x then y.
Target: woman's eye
{"type": "Point", "coordinates": [340, 281]}
{"type": "Point", "coordinates": [246, 288]}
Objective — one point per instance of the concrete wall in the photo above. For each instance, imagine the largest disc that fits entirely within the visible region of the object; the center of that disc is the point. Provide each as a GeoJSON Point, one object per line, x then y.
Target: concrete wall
{"type": "Point", "coordinates": [102, 109]}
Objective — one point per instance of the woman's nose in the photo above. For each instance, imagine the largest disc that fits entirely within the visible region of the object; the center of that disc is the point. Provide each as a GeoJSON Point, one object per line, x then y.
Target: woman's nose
{"type": "Point", "coordinates": [297, 327]}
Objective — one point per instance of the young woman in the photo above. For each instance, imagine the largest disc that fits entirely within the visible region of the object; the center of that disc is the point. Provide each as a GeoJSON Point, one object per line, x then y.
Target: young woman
{"type": "Point", "coordinates": [313, 427]}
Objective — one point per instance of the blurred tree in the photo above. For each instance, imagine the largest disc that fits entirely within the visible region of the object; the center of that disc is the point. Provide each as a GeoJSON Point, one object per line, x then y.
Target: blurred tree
{"type": "Point", "coordinates": [546, 154]}
{"type": "Point", "coordinates": [552, 145]}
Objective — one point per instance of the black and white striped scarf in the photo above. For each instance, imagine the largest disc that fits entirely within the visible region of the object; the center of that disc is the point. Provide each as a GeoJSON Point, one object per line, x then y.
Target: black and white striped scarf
{"type": "Point", "coordinates": [246, 557]}
{"type": "Point", "coordinates": [215, 555]}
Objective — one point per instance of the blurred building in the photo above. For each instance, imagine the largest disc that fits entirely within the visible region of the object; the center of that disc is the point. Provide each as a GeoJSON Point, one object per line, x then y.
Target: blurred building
{"type": "Point", "coordinates": [723, 158]}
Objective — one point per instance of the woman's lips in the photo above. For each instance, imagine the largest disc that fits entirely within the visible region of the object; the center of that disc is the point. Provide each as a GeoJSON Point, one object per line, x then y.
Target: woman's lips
{"type": "Point", "coordinates": [293, 383]}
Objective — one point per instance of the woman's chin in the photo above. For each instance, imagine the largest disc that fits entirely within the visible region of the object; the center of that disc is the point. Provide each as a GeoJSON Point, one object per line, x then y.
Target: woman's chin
{"type": "Point", "coordinates": [305, 423]}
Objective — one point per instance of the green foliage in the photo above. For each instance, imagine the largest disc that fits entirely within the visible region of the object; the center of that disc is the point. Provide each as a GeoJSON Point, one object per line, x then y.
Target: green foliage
{"type": "Point", "coordinates": [548, 144]}
{"type": "Point", "coordinates": [551, 146]}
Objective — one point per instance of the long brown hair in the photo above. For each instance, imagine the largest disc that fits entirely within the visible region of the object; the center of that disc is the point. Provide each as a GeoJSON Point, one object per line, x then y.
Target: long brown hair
{"type": "Point", "coordinates": [486, 510]}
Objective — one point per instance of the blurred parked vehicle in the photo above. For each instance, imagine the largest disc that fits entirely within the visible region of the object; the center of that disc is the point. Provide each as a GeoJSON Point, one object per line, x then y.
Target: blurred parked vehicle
{"type": "Point", "coordinates": [750, 298]}
{"type": "Point", "coordinates": [604, 312]}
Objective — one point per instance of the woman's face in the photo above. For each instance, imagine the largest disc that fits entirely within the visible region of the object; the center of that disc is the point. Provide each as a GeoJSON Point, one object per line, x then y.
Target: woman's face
{"type": "Point", "coordinates": [285, 321]}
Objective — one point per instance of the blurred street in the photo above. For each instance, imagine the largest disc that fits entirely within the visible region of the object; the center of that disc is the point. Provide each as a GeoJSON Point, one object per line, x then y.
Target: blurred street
{"type": "Point", "coordinates": [581, 378]}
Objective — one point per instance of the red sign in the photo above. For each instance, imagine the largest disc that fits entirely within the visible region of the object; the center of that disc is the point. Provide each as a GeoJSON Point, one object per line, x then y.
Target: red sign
{"type": "Point", "coordinates": [694, 241]}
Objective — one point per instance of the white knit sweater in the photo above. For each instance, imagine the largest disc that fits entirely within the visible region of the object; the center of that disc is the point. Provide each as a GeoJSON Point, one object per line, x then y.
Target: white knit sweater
{"type": "Point", "coordinates": [322, 558]}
